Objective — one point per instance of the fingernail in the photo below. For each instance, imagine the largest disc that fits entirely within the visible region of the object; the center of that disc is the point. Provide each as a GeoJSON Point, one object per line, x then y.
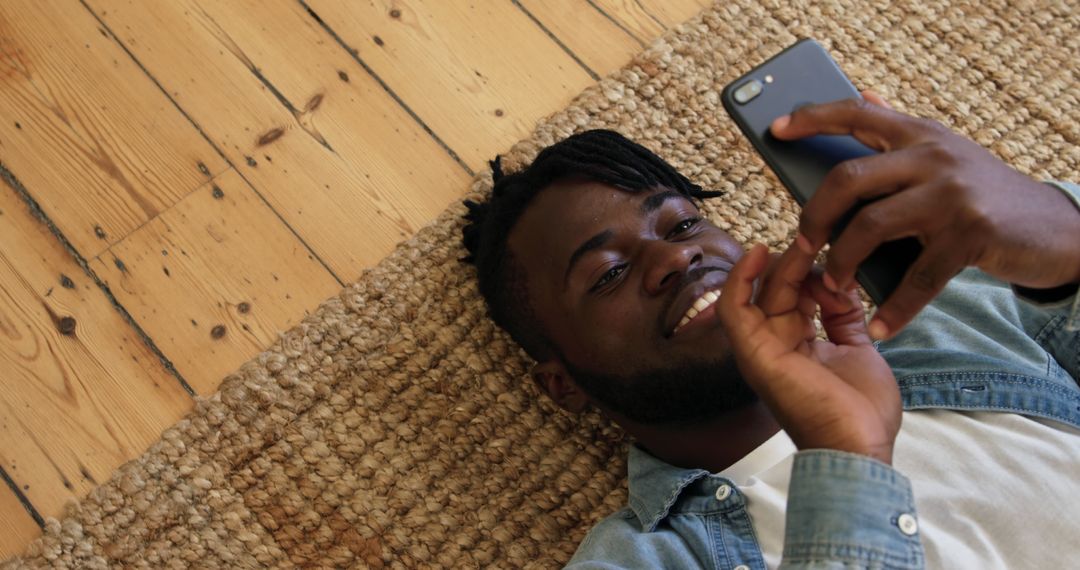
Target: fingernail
{"type": "Point", "coordinates": [781, 122]}
{"type": "Point", "coordinates": [878, 330]}
{"type": "Point", "coordinates": [804, 244]}
{"type": "Point", "coordinates": [829, 283]}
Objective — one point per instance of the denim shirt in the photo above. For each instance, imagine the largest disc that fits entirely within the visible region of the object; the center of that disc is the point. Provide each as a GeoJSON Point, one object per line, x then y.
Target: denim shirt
{"type": "Point", "coordinates": [977, 346]}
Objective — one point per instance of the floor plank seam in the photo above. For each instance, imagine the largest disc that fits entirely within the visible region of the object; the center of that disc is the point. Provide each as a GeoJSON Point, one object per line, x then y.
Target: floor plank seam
{"type": "Point", "coordinates": [662, 25]}
{"type": "Point", "coordinates": [556, 39]}
{"type": "Point", "coordinates": [251, 67]}
{"type": "Point", "coordinates": [617, 23]}
{"type": "Point", "coordinates": [356, 57]}
{"type": "Point", "coordinates": [214, 146]}
{"type": "Point", "coordinates": [36, 211]}
{"type": "Point", "coordinates": [23, 499]}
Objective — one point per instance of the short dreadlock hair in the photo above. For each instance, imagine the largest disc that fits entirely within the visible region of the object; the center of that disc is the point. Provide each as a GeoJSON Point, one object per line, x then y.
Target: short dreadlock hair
{"type": "Point", "coordinates": [598, 155]}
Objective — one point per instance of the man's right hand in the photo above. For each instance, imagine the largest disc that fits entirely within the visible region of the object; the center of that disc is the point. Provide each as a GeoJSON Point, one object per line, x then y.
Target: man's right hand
{"type": "Point", "coordinates": [964, 205]}
{"type": "Point", "coordinates": [837, 394]}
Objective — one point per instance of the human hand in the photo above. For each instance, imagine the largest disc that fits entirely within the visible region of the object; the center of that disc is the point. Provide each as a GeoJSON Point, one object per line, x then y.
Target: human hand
{"type": "Point", "coordinates": [836, 394]}
{"type": "Point", "coordinates": [964, 205]}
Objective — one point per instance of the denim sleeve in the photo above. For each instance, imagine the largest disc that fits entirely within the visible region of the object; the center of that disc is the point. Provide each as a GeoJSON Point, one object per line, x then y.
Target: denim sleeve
{"type": "Point", "coordinates": [1066, 300]}
{"type": "Point", "coordinates": [849, 511]}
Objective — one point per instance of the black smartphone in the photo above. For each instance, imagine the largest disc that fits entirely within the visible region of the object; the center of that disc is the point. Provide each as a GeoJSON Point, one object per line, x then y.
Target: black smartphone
{"type": "Point", "coordinates": [800, 75]}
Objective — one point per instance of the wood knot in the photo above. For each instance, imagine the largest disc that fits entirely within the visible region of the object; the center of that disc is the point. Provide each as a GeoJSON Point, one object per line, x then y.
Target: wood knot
{"type": "Point", "coordinates": [244, 307]}
{"type": "Point", "coordinates": [217, 332]}
{"type": "Point", "coordinates": [343, 76]}
{"type": "Point", "coordinates": [499, 112]}
{"type": "Point", "coordinates": [270, 136]}
{"type": "Point", "coordinates": [217, 193]}
{"type": "Point", "coordinates": [66, 326]}
{"type": "Point", "coordinates": [314, 102]}
{"type": "Point", "coordinates": [395, 13]}
{"type": "Point", "coordinates": [378, 40]}
{"type": "Point", "coordinates": [100, 233]}
{"type": "Point", "coordinates": [66, 282]}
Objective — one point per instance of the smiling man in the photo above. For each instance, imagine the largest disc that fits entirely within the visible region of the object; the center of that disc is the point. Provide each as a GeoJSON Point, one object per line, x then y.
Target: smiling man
{"type": "Point", "coordinates": [755, 442]}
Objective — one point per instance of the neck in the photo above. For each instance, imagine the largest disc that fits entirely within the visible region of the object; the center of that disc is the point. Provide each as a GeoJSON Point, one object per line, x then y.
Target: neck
{"type": "Point", "coordinates": [713, 445]}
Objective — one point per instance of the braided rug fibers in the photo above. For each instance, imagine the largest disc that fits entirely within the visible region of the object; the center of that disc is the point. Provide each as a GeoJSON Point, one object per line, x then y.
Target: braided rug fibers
{"type": "Point", "coordinates": [396, 427]}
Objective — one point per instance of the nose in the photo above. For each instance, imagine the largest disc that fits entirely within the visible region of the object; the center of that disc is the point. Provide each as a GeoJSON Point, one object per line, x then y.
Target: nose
{"type": "Point", "coordinates": [667, 262]}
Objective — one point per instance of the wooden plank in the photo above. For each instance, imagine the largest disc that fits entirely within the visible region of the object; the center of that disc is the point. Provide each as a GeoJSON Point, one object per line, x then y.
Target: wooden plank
{"type": "Point", "coordinates": [594, 38]}
{"type": "Point", "coordinates": [480, 74]}
{"type": "Point", "coordinates": [215, 279]}
{"type": "Point", "coordinates": [646, 20]}
{"type": "Point", "coordinates": [671, 13]}
{"type": "Point", "coordinates": [80, 392]}
{"type": "Point", "coordinates": [343, 164]}
{"type": "Point", "coordinates": [102, 148]}
{"type": "Point", "coordinates": [633, 17]}
{"type": "Point", "coordinates": [17, 527]}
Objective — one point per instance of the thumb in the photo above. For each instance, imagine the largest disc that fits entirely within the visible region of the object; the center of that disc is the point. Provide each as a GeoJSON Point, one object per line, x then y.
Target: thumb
{"type": "Point", "coordinates": [735, 307]}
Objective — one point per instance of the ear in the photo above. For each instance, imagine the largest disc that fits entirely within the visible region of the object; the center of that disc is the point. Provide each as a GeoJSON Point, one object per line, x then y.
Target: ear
{"type": "Point", "coordinates": [554, 380]}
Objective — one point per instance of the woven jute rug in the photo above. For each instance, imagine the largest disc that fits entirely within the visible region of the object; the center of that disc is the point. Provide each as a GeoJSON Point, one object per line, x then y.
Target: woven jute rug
{"type": "Point", "coordinates": [396, 426]}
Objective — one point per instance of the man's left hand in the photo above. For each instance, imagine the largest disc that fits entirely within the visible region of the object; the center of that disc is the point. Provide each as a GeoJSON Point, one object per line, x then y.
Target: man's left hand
{"type": "Point", "coordinates": [966, 207]}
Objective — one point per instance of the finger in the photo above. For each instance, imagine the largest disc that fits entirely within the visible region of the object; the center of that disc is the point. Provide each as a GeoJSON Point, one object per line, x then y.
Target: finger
{"type": "Point", "coordinates": [842, 314]}
{"type": "Point", "coordinates": [830, 301]}
{"type": "Point", "coordinates": [853, 181]}
{"type": "Point", "coordinates": [734, 307]}
{"type": "Point", "coordinates": [874, 126]}
{"type": "Point", "coordinates": [781, 286]}
{"type": "Point", "coordinates": [808, 308]}
{"type": "Point", "coordinates": [875, 98]}
{"type": "Point", "coordinates": [907, 213]}
{"type": "Point", "coordinates": [939, 262]}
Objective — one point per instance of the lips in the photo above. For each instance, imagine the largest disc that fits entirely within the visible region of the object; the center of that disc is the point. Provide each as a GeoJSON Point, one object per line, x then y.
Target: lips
{"type": "Point", "coordinates": [693, 299]}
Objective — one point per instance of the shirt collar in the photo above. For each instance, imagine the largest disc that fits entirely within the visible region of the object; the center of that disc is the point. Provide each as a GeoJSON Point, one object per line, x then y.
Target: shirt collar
{"type": "Point", "coordinates": [655, 486]}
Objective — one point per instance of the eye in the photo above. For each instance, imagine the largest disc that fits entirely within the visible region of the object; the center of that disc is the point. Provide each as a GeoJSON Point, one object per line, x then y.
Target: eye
{"type": "Point", "coordinates": [611, 275]}
{"type": "Point", "coordinates": [684, 226]}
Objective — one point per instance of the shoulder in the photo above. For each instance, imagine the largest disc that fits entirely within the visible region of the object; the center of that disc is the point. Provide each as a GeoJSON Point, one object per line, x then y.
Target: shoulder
{"type": "Point", "coordinates": [618, 541]}
{"type": "Point", "coordinates": [608, 542]}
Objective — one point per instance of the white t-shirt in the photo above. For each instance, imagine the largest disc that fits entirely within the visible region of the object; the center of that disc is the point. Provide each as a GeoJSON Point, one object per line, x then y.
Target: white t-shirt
{"type": "Point", "coordinates": [993, 490]}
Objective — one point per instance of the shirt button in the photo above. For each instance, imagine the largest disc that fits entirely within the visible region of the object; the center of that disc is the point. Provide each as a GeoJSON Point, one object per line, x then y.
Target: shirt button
{"type": "Point", "coordinates": [907, 523]}
{"type": "Point", "coordinates": [723, 492]}
{"type": "Point", "coordinates": [742, 567]}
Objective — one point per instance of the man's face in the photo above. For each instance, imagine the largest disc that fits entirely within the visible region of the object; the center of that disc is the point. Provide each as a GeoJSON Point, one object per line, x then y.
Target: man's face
{"type": "Point", "coordinates": [611, 275]}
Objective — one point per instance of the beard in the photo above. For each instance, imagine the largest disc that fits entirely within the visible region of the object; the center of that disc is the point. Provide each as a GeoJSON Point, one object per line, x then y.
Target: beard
{"type": "Point", "coordinates": [682, 394]}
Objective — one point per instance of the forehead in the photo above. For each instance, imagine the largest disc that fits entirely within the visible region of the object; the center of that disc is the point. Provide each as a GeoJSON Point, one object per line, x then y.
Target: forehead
{"type": "Point", "coordinates": [565, 214]}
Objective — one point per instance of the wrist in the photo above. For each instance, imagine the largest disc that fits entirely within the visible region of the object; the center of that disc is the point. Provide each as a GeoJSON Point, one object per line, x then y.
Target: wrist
{"type": "Point", "coordinates": [879, 452]}
{"type": "Point", "coordinates": [1071, 193]}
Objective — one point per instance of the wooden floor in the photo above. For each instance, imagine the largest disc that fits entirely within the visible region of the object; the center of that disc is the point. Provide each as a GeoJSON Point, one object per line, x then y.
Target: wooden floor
{"type": "Point", "coordinates": [184, 180]}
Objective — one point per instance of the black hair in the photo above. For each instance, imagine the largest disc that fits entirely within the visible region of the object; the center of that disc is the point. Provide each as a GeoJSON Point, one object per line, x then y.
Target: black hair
{"type": "Point", "coordinates": [599, 155]}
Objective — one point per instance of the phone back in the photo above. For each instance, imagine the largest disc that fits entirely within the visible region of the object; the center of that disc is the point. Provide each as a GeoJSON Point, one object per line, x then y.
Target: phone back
{"type": "Point", "coordinates": [800, 75]}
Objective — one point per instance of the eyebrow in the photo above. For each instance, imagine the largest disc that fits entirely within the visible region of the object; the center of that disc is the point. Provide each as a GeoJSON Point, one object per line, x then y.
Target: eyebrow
{"type": "Point", "coordinates": [595, 242]}
{"type": "Point", "coordinates": [653, 203]}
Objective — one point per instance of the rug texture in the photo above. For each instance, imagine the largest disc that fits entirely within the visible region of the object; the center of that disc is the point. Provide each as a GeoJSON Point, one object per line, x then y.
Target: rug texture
{"type": "Point", "coordinates": [396, 426]}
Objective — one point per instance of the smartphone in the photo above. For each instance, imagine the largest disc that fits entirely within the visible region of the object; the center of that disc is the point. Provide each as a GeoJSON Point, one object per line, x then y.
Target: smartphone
{"type": "Point", "coordinates": [800, 75]}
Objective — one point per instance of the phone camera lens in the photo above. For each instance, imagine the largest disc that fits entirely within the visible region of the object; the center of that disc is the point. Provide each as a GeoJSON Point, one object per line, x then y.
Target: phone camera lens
{"type": "Point", "coordinates": [747, 91]}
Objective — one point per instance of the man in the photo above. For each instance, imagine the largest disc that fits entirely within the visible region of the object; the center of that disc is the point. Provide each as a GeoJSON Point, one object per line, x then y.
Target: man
{"type": "Point", "coordinates": [757, 445]}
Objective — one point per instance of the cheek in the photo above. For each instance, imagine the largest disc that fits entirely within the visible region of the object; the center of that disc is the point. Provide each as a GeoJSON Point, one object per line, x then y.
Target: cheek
{"type": "Point", "coordinates": [612, 330]}
{"type": "Point", "coordinates": [729, 247]}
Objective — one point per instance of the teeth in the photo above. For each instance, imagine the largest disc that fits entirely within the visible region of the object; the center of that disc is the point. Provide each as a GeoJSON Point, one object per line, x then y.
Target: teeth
{"type": "Point", "coordinates": [703, 302]}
